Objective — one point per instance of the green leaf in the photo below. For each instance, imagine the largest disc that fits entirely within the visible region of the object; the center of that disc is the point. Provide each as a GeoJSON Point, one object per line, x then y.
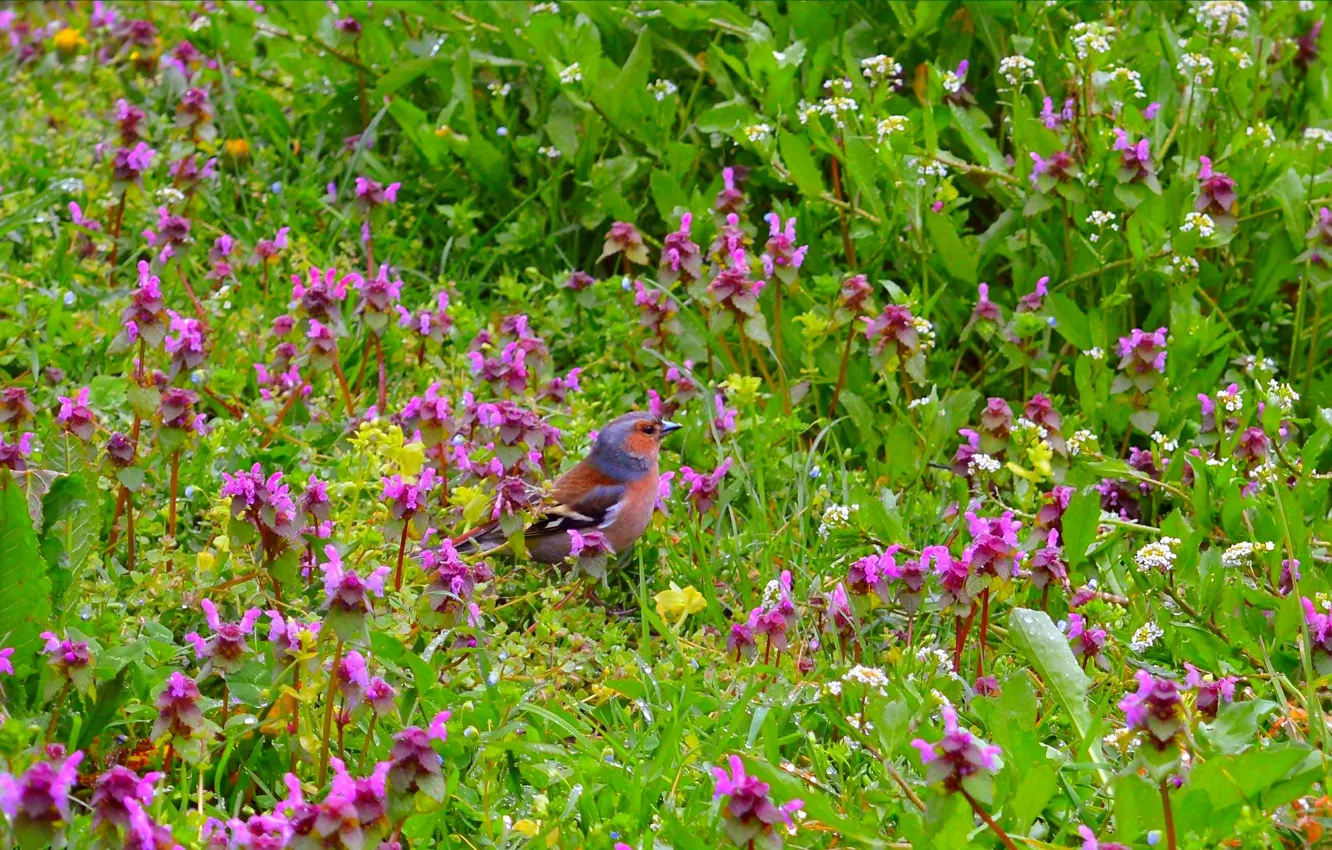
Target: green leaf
{"type": "Point", "coordinates": [956, 259]}
{"type": "Point", "coordinates": [978, 141]}
{"type": "Point", "coordinates": [25, 605]}
{"type": "Point", "coordinates": [1080, 520]}
{"type": "Point", "coordinates": [862, 166]}
{"type": "Point", "coordinates": [667, 193]}
{"type": "Point", "coordinates": [818, 806]}
{"type": "Point", "coordinates": [1036, 636]}
{"type": "Point", "coordinates": [800, 163]}
{"type": "Point", "coordinates": [1236, 725]}
{"type": "Point", "coordinates": [1070, 321]}
{"type": "Point", "coordinates": [69, 530]}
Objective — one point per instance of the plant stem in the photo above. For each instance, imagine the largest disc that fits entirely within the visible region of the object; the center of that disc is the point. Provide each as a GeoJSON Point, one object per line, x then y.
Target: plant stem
{"type": "Point", "coordinates": [985, 628]}
{"type": "Point", "coordinates": [282, 414]}
{"type": "Point", "coordinates": [999, 831]}
{"type": "Point", "coordinates": [175, 485]}
{"type": "Point", "coordinates": [129, 531]}
{"type": "Point", "coordinates": [383, 386]}
{"type": "Point", "coordinates": [55, 712]}
{"type": "Point", "coordinates": [189, 290]}
{"type": "Point", "coordinates": [265, 278]}
{"type": "Point", "coordinates": [1169, 816]}
{"type": "Point", "coordinates": [342, 379]}
{"type": "Point", "coordinates": [328, 712]}
{"type": "Point", "coordinates": [402, 548]}
{"type": "Point", "coordinates": [226, 703]}
{"type": "Point", "coordinates": [369, 736]}
{"type": "Point", "coordinates": [841, 372]}
{"type": "Point", "coordinates": [115, 239]}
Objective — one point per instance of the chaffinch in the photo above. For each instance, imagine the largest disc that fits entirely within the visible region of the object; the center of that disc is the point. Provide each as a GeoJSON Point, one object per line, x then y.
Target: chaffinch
{"type": "Point", "coordinates": [612, 490]}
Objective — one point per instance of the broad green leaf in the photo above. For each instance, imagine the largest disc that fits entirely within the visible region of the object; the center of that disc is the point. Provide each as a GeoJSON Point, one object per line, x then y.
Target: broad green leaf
{"type": "Point", "coordinates": [1080, 521]}
{"type": "Point", "coordinates": [1036, 636]}
{"type": "Point", "coordinates": [25, 605]}
{"type": "Point", "coordinates": [863, 168]}
{"type": "Point", "coordinates": [959, 262]}
{"type": "Point", "coordinates": [804, 171]}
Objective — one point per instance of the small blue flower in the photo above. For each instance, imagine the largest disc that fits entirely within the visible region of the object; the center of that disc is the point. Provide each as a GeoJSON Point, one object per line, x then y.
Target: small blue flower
{"type": "Point", "coordinates": [815, 472]}
{"type": "Point", "coordinates": [276, 188]}
{"type": "Point", "coordinates": [502, 131]}
{"type": "Point", "coordinates": [189, 491]}
{"type": "Point", "coordinates": [1051, 321]}
{"type": "Point", "coordinates": [69, 298]}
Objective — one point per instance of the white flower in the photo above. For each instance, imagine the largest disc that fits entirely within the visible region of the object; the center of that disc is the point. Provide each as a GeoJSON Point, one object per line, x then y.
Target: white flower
{"type": "Point", "coordinates": [1146, 635]}
{"type": "Point", "coordinates": [549, 151]}
{"type": "Point", "coordinates": [758, 132]}
{"type": "Point", "coordinates": [662, 89]}
{"type": "Point", "coordinates": [837, 108]}
{"type": "Point", "coordinates": [924, 332]}
{"type": "Point", "coordinates": [806, 110]}
{"type": "Point", "coordinates": [891, 126]}
{"type": "Point", "coordinates": [1121, 74]}
{"type": "Point", "coordinates": [1231, 400]}
{"type": "Point", "coordinates": [1196, 67]}
{"type": "Point", "coordinates": [1241, 554]}
{"type": "Point", "coordinates": [952, 83]}
{"type": "Point", "coordinates": [1017, 69]}
{"type": "Point", "coordinates": [1182, 265]}
{"type": "Point", "coordinates": [1241, 57]}
{"type": "Point", "coordinates": [842, 84]}
{"type": "Point", "coordinates": [1096, 352]}
{"type": "Point", "coordinates": [1101, 218]}
{"type": "Point", "coordinates": [170, 195]}
{"type": "Point", "coordinates": [500, 89]}
{"type": "Point", "coordinates": [834, 516]}
{"type": "Point", "coordinates": [571, 74]}
{"type": "Point", "coordinates": [1322, 138]}
{"type": "Point", "coordinates": [1157, 555]}
{"type": "Point", "coordinates": [1081, 439]}
{"type": "Point", "coordinates": [879, 68]}
{"type": "Point", "coordinates": [1167, 445]}
{"type": "Point", "coordinates": [871, 676]}
{"type": "Point", "coordinates": [1306, 5]}
{"type": "Point", "coordinates": [1202, 222]}
{"type": "Point", "coordinates": [1282, 395]}
{"type": "Point", "coordinates": [1091, 37]}
{"type": "Point", "coordinates": [834, 688]}
{"type": "Point", "coordinates": [982, 463]}
{"type": "Point", "coordinates": [546, 8]}
{"type": "Point", "coordinates": [1222, 17]}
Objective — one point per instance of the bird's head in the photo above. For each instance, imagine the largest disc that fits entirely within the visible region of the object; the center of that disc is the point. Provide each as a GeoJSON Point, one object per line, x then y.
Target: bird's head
{"type": "Point", "coordinates": [632, 441]}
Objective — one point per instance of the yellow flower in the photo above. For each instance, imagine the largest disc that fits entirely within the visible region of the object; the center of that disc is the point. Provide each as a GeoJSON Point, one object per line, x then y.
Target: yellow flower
{"type": "Point", "coordinates": [68, 40]}
{"type": "Point", "coordinates": [675, 604]}
{"type": "Point", "coordinates": [526, 827]}
{"type": "Point", "coordinates": [237, 148]}
{"type": "Point", "coordinates": [409, 458]}
{"type": "Point", "coordinates": [1040, 453]}
{"type": "Point", "coordinates": [206, 561]}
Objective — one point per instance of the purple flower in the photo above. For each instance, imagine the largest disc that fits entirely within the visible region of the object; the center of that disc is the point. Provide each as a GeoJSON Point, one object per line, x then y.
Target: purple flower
{"type": "Point", "coordinates": [381, 696]}
{"type": "Point", "coordinates": [704, 488]}
{"type": "Point", "coordinates": [680, 257]}
{"type": "Point", "coordinates": [996, 425]}
{"type": "Point", "coordinates": [741, 638]}
{"type": "Point", "coordinates": [1047, 564]}
{"type": "Point", "coordinates": [6, 666]}
{"type": "Point", "coordinates": [1135, 160]}
{"type": "Point", "coordinates": [895, 327]}
{"type": "Point", "coordinates": [749, 812]}
{"type": "Point", "coordinates": [430, 324]}
{"type": "Point", "coordinates": [1307, 46]}
{"type": "Point", "coordinates": [854, 295]}
{"type": "Point", "coordinates": [780, 256]}
{"type": "Point", "coordinates": [187, 172]}
{"type": "Point", "coordinates": [588, 544]}
{"type": "Point", "coordinates": [290, 637]}
{"type": "Point", "coordinates": [15, 406]}
{"type": "Point", "coordinates": [13, 455]}
{"type": "Point", "coordinates": [1211, 692]}
{"type": "Point", "coordinates": [579, 280]}
{"type": "Point", "coordinates": [730, 200]}
{"type": "Point", "coordinates": [129, 164]}
{"type": "Point", "coordinates": [267, 250]}
{"type": "Point", "coordinates": [994, 545]}
{"type": "Point", "coordinates": [1088, 643]}
{"type": "Point", "coordinates": [186, 347]}
{"type": "Point", "coordinates": [226, 649]}
{"type": "Point", "coordinates": [985, 309]}
{"type": "Point", "coordinates": [624, 238]}
{"type": "Point", "coordinates": [1142, 360]}
{"type": "Point", "coordinates": [266, 503]}
{"type": "Point", "coordinates": [959, 758]}
{"type": "Point", "coordinates": [353, 679]}
{"type": "Point", "coordinates": [734, 289]}
{"type": "Point", "coordinates": [1046, 172]}
{"type": "Point", "coordinates": [956, 581]}
{"type": "Point", "coordinates": [1150, 112]}
{"type": "Point", "coordinates": [76, 417]}
{"type": "Point", "coordinates": [117, 787]}
{"type": "Point", "coordinates": [1053, 120]}
{"type": "Point", "coordinates": [195, 113]}
{"type": "Point", "coordinates": [407, 501]}
{"type": "Point", "coordinates": [172, 231]}
{"type": "Point", "coordinates": [371, 193]}
{"type": "Point", "coordinates": [1216, 193]}
{"type": "Point", "coordinates": [178, 711]}
{"type": "Point", "coordinates": [1089, 841]}
{"type": "Point", "coordinates": [841, 618]}
{"type": "Point", "coordinates": [1155, 709]}
{"type": "Point", "coordinates": [1033, 301]}
{"type": "Point", "coordinates": [37, 803]}
{"type": "Point", "coordinates": [874, 573]}
{"type": "Point", "coordinates": [414, 766]}
{"type": "Point", "coordinates": [322, 295]}
{"type": "Point", "coordinates": [657, 311]}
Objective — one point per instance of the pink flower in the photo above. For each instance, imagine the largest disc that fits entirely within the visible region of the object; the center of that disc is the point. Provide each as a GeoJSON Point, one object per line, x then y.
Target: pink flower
{"type": "Point", "coordinates": [730, 200]}
{"type": "Point", "coordinates": [704, 489]}
{"type": "Point", "coordinates": [226, 650]}
{"type": "Point", "coordinates": [985, 309]}
{"type": "Point", "coordinates": [76, 417]}
{"type": "Point", "coordinates": [781, 256]}
{"type": "Point", "coordinates": [1155, 709]}
{"type": "Point", "coordinates": [680, 257]}
{"type": "Point", "coordinates": [894, 327]}
{"type": "Point", "coordinates": [749, 811]}
{"type": "Point", "coordinates": [624, 238]}
{"type": "Point", "coordinates": [1088, 643]}
{"type": "Point", "coordinates": [129, 164]}
{"type": "Point", "coordinates": [7, 666]}
{"type": "Point", "coordinates": [344, 590]}
{"type": "Point", "coordinates": [1216, 192]}
{"type": "Point", "coordinates": [371, 193]}
{"type": "Point", "coordinates": [588, 544]}
{"type": "Point", "coordinates": [117, 787]}
{"type": "Point", "coordinates": [958, 757]}
{"type": "Point", "coordinates": [1142, 360]}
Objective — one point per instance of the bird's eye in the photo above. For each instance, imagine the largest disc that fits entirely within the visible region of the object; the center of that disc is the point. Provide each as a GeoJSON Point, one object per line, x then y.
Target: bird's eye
{"type": "Point", "coordinates": [649, 430]}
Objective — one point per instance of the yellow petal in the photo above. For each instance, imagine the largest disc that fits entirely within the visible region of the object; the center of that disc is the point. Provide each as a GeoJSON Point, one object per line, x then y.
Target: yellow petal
{"type": "Point", "coordinates": [526, 827]}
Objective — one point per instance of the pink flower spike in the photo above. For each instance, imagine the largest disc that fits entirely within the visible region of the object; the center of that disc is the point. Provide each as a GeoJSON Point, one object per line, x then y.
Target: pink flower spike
{"type": "Point", "coordinates": [210, 614]}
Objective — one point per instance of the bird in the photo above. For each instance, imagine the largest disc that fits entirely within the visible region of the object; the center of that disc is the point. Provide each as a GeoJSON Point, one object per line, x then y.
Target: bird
{"type": "Point", "coordinates": [613, 490]}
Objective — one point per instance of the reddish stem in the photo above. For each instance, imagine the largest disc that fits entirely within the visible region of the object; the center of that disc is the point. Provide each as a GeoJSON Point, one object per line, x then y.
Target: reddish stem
{"type": "Point", "coordinates": [989, 821]}
{"type": "Point", "coordinates": [383, 386]}
{"type": "Point", "coordinates": [175, 483]}
{"type": "Point", "coordinates": [342, 379]}
{"type": "Point", "coordinates": [282, 414]}
{"type": "Point", "coordinates": [985, 629]}
{"type": "Point", "coordinates": [402, 548]}
{"type": "Point", "coordinates": [1169, 815]}
{"type": "Point", "coordinates": [841, 372]}
{"type": "Point", "coordinates": [194, 299]}
{"type": "Point", "coordinates": [115, 239]}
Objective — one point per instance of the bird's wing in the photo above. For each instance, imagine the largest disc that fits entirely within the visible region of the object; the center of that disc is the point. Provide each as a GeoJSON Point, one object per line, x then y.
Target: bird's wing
{"type": "Point", "coordinates": [583, 498]}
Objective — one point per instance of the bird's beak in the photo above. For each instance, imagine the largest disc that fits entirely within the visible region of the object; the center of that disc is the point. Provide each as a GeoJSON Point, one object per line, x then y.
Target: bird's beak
{"type": "Point", "coordinates": [669, 427]}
